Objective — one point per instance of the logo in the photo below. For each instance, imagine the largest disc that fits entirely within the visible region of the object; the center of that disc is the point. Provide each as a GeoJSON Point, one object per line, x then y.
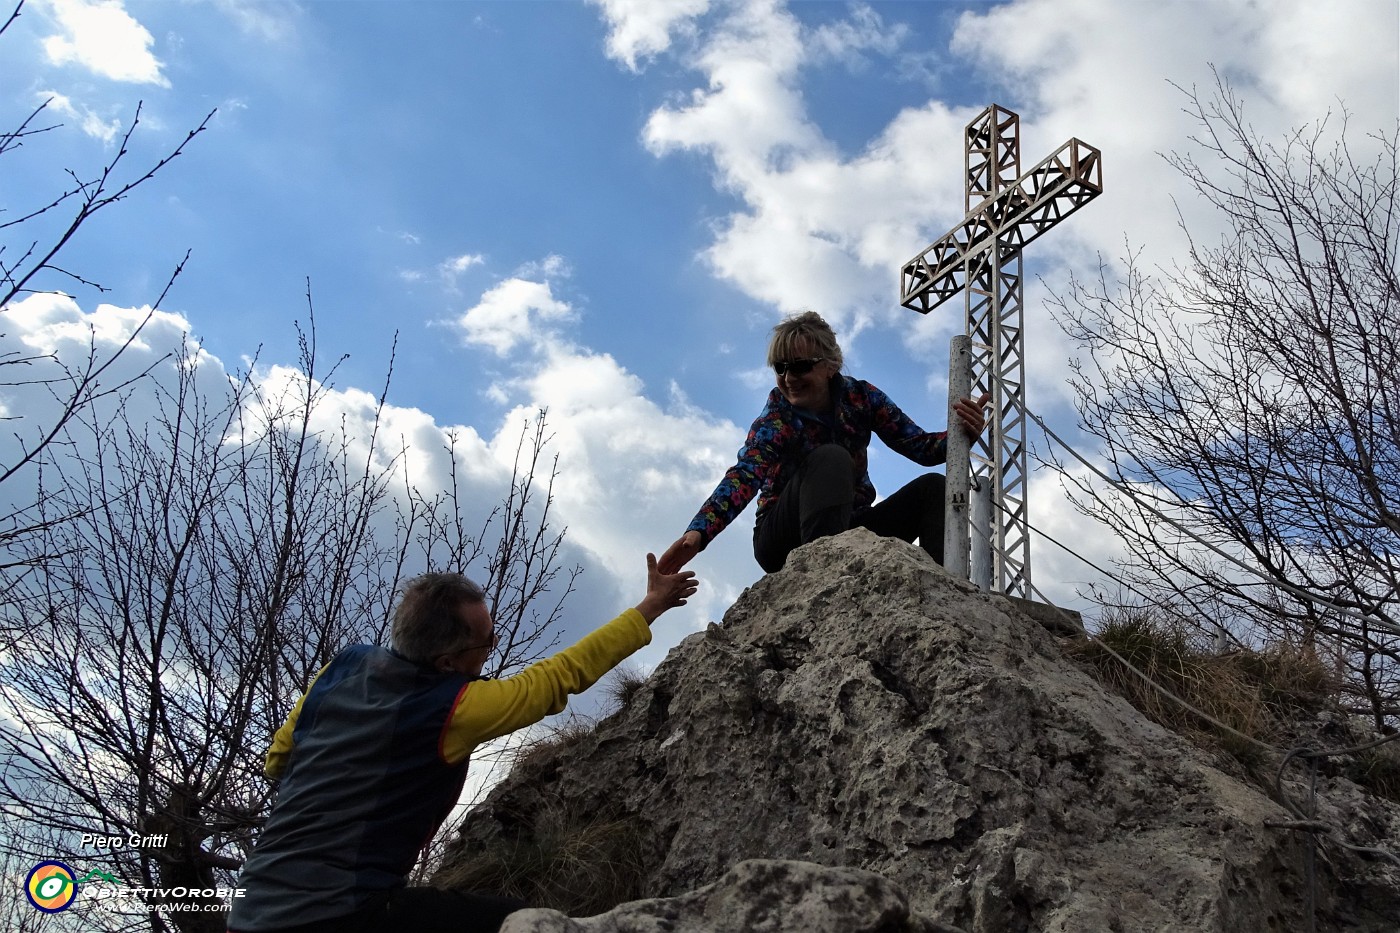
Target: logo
{"type": "Point", "coordinates": [51, 887]}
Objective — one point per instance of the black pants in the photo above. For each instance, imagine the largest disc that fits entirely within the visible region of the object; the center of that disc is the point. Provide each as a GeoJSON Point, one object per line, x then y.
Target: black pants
{"type": "Point", "coordinates": [817, 502]}
{"type": "Point", "coordinates": [422, 910]}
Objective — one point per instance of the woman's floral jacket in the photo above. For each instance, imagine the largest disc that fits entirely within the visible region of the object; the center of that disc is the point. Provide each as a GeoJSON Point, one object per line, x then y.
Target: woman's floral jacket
{"type": "Point", "coordinates": [782, 435]}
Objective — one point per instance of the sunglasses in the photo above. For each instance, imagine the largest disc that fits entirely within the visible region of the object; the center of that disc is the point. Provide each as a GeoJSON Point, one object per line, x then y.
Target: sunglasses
{"type": "Point", "coordinates": [796, 367]}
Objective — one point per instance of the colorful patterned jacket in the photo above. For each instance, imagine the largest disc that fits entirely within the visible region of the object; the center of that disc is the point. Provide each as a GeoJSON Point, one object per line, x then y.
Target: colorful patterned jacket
{"type": "Point", "coordinates": [782, 435]}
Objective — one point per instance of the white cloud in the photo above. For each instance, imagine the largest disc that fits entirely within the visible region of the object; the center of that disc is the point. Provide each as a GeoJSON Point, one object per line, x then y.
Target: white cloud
{"type": "Point", "coordinates": [452, 269]}
{"type": "Point", "coordinates": [552, 266]}
{"type": "Point", "coordinates": [633, 473]}
{"type": "Point", "coordinates": [90, 123]}
{"type": "Point", "coordinates": [823, 230]}
{"type": "Point", "coordinates": [459, 264]}
{"type": "Point", "coordinates": [846, 40]}
{"type": "Point", "coordinates": [49, 323]}
{"type": "Point", "coordinates": [751, 115]}
{"type": "Point", "coordinates": [643, 28]}
{"type": "Point", "coordinates": [819, 230]}
{"type": "Point", "coordinates": [515, 312]}
{"type": "Point", "coordinates": [407, 441]}
{"type": "Point", "coordinates": [101, 36]}
{"type": "Point", "coordinates": [271, 22]}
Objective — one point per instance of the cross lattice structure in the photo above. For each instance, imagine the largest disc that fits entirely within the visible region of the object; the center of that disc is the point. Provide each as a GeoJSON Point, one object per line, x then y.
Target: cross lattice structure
{"type": "Point", "coordinates": [981, 257]}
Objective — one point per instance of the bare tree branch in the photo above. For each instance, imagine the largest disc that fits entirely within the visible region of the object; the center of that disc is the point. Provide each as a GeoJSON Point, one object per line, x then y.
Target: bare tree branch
{"type": "Point", "coordinates": [1250, 393]}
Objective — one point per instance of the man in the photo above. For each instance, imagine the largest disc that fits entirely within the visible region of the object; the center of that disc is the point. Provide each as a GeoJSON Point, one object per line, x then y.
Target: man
{"type": "Point", "coordinates": [374, 755]}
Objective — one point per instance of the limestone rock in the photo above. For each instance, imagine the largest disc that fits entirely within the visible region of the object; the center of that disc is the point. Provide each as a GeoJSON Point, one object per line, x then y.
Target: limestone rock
{"type": "Point", "coordinates": [861, 709]}
{"type": "Point", "coordinates": [768, 895]}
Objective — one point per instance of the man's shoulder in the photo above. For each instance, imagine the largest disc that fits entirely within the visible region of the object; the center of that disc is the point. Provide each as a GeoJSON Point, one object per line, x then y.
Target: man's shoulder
{"type": "Point", "coordinates": [357, 661]}
{"type": "Point", "coordinates": [359, 655]}
{"type": "Point", "coordinates": [360, 651]}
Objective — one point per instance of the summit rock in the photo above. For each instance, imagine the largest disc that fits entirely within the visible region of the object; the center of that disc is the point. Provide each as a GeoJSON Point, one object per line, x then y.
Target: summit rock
{"type": "Point", "coordinates": [861, 713]}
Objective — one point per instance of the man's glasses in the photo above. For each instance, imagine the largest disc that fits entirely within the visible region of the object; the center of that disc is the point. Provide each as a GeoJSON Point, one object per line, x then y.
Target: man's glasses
{"type": "Point", "coordinates": [495, 640]}
{"type": "Point", "coordinates": [796, 367]}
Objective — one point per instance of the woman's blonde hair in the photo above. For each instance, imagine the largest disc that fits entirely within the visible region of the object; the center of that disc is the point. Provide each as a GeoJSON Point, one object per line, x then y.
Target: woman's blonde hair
{"type": "Point", "coordinates": [808, 326]}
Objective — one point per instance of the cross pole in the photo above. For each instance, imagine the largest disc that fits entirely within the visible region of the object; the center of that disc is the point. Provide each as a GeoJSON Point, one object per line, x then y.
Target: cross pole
{"type": "Point", "coordinates": [981, 257]}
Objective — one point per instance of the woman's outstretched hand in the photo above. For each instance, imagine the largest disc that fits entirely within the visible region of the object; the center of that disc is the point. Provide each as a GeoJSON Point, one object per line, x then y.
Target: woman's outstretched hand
{"type": "Point", "coordinates": [680, 553]}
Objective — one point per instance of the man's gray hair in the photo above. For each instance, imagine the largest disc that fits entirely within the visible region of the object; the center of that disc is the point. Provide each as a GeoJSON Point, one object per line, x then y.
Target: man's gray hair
{"type": "Point", "coordinates": [808, 325]}
{"type": "Point", "coordinates": [426, 622]}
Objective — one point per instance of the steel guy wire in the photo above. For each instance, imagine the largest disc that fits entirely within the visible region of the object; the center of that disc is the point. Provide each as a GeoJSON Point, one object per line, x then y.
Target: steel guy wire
{"type": "Point", "coordinates": [1281, 584]}
{"type": "Point", "coordinates": [1305, 822]}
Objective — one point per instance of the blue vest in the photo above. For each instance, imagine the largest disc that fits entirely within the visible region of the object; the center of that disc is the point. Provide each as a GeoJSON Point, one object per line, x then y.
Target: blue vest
{"type": "Point", "coordinates": [365, 789]}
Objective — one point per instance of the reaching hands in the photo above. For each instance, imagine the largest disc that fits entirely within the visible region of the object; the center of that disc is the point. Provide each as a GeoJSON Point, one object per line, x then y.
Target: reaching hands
{"type": "Point", "coordinates": [971, 414]}
{"type": "Point", "coordinates": [665, 590]}
{"type": "Point", "coordinates": [680, 553]}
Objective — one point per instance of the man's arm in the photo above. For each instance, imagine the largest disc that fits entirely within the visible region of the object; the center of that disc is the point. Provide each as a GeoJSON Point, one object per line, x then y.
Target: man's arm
{"type": "Point", "coordinates": [488, 709]}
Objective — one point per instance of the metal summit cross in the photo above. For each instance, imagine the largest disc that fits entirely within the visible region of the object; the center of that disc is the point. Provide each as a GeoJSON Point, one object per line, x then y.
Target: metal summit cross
{"type": "Point", "coordinates": [982, 258]}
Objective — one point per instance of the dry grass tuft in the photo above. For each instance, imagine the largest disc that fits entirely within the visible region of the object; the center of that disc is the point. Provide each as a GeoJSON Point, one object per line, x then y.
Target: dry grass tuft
{"type": "Point", "coordinates": [548, 742]}
{"type": "Point", "coordinates": [622, 685]}
{"type": "Point", "coordinates": [1377, 770]}
{"type": "Point", "coordinates": [578, 868]}
{"type": "Point", "coordinates": [1260, 694]}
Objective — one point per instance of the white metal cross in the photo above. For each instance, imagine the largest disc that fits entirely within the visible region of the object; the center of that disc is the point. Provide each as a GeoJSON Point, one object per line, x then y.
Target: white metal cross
{"type": "Point", "coordinates": [981, 257]}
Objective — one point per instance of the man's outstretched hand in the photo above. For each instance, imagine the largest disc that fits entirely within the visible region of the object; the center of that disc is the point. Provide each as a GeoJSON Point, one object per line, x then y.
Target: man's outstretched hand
{"type": "Point", "coordinates": [665, 590]}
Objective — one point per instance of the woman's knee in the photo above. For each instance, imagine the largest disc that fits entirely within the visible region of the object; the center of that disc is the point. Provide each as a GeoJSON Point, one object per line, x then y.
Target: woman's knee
{"type": "Point", "coordinates": [931, 485]}
{"type": "Point", "coordinates": [826, 479]}
{"type": "Point", "coordinates": [827, 457]}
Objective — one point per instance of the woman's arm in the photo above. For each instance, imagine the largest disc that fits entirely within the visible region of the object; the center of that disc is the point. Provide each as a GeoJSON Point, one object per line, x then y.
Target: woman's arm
{"type": "Point", "coordinates": [758, 458]}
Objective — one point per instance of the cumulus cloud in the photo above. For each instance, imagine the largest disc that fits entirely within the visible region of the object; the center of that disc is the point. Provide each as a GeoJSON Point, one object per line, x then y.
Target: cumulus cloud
{"type": "Point", "coordinates": [819, 229]}
{"type": "Point", "coordinates": [49, 323]}
{"type": "Point", "coordinates": [823, 229]}
{"type": "Point", "coordinates": [631, 470]}
{"type": "Point", "coordinates": [515, 312]}
{"type": "Point", "coordinates": [634, 471]}
{"type": "Point", "coordinates": [641, 29]}
{"type": "Point", "coordinates": [417, 450]}
{"type": "Point", "coordinates": [101, 36]}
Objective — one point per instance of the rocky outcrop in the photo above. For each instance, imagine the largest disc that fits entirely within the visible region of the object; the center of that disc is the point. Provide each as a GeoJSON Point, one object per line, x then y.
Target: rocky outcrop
{"type": "Point", "coordinates": [768, 895]}
{"type": "Point", "coordinates": [863, 710]}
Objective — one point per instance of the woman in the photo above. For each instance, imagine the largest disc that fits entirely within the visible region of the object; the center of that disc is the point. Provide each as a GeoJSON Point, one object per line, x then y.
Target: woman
{"type": "Point", "coordinates": [805, 458]}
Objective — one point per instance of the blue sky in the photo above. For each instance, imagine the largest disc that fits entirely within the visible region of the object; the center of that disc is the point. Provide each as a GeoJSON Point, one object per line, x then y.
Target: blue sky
{"type": "Point", "coordinates": [601, 208]}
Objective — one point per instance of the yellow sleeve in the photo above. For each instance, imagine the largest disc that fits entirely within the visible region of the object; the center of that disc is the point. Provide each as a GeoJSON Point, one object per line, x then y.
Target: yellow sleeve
{"type": "Point", "coordinates": [281, 748]}
{"type": "Point", "coordinates": [491, 708]}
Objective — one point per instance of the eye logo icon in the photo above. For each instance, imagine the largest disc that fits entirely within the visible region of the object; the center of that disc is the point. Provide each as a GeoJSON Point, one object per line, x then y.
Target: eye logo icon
{"type": "Point", "coordinates": [51, 887]}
